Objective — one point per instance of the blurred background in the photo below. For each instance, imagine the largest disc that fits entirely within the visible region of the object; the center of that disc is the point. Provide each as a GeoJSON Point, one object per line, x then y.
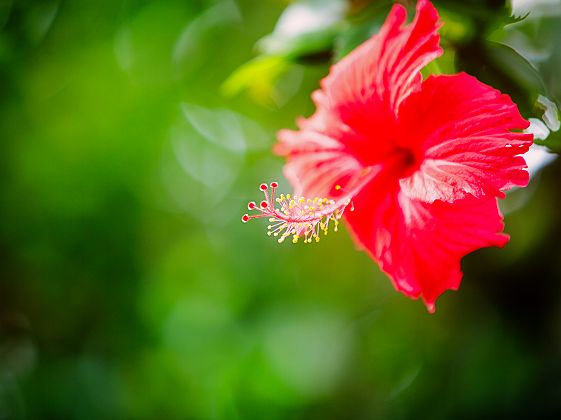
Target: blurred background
{"type": "Point", "coordinates": [132, 135]}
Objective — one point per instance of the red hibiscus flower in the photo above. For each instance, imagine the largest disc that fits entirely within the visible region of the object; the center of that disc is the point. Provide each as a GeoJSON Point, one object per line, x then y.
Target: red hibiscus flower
{"type": "Point", "coordinates": [425, 160]}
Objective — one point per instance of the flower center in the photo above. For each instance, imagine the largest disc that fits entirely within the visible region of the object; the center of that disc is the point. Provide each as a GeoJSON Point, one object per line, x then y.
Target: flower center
{"type": "Point", "coordinates": [406, 160]}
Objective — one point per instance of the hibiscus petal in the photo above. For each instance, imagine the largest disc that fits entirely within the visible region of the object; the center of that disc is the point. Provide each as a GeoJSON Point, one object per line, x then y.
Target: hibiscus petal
{"type": "Point", "coordinates": [462, 129]}
{"type": "Point", "coordinates": [385, 69]}
{"type": "Point", "coordinates": [420, 245]}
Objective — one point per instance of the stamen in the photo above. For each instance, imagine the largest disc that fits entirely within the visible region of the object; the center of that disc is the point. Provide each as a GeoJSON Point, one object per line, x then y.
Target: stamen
{"type": "Point", "coordinates": [295, 216]}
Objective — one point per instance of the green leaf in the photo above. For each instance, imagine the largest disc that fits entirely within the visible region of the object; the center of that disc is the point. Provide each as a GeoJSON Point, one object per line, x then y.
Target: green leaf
{"type": "Point", "coordinates": [304, 45]}
{"type": "Point", "coordinates": [551, 119]}
{"type": "Point", "coordinates": [352, 37]}
{"type": "Point", "coordinates": [306, 27]}
{"type": "Point", "coordinates": [258, 77]}
{"type": "Point", "coordinates": [553, 142]}
{"type": "Point", "coordinates": [519, 69]}
{"type": "Point", "coordinates": [442, 65]}
{"type": "Point", "coordinates": [456, 28]}
{"type": "Point", "coordinates": [503, 68]}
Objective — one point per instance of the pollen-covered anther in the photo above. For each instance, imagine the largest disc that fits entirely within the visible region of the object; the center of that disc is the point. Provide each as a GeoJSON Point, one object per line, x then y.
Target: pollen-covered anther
{"type": "Point", "coordinates": [296, 216]}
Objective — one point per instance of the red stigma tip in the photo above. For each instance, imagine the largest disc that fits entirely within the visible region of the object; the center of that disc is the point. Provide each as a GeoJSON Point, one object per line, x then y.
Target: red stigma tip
{"type": "Point", "coordinates": [264, 204]}
{"type": "Point", "coordinates": [245, 218]}
{"type": "Point", "coordinates": [251, 205]}
{"type": "Point", "coordinates": [274, 184]}
{"type": "Point", "coordinates": [263, 187]}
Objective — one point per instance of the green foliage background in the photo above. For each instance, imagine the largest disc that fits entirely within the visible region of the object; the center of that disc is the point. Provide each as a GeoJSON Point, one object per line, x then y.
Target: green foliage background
{"type": "Point", "coordinates": [130, 289]}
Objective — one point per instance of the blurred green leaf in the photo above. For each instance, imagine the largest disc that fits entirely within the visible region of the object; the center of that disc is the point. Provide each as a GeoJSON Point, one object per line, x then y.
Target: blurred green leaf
{"type": "Point", "coordinates": [301, 46]}
{"type": "Point", "coordinates": [444, 64]}
{"type": "Point", "coordinates": [306, 27]}
{"type": "Point", "coordinates": [40, 19]}
{"type": "Point", "coordinates": [520, 70]}
{"type": "Point", "coordinates": [352, 37]}
{"type": "Point", "coordinates": [258, 77]}
{"type": "Point", "coordinates": [305, 31]}
{"type": "Point", "coordinates": [456, 28]}
{"type": "Point", "coordinates": [553, 142]}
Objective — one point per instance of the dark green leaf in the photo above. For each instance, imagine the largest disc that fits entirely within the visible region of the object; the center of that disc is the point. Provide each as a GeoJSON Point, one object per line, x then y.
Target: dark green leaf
{"type": "Point", "coordinates": [503, 68]}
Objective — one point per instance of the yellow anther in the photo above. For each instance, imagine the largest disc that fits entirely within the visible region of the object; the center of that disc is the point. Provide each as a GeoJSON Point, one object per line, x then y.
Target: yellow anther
{"type": "Point", "coordinates": [303, 217]}
{"type": "Point", "coordinates": [337, 187]}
